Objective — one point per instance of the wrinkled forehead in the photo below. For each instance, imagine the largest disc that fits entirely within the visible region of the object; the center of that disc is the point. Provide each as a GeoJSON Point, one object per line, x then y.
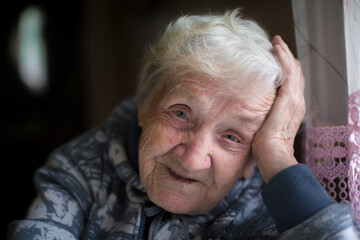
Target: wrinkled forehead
{"type": "Point", "coordinates": [242, 86]}
{"type": "Point", "coordinates": [221, 92]}
{"type": "Point", "coordinates": [218, 99]}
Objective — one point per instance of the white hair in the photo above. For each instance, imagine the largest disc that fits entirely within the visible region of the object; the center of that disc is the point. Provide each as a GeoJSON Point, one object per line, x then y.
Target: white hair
{"type": "Point", "coordinates": [225, 49]}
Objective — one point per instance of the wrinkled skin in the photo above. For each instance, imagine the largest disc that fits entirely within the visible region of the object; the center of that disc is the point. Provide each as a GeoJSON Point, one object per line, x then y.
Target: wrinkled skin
{"type": "Point", "coordinates": [197, 141]}
{"type": "Point", "coordinates": [273, 143]}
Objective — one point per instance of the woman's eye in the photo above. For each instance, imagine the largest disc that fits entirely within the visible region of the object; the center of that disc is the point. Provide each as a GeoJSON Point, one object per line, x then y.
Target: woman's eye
{"type": "Point", "coordinates": [181, 114]}
{"type": "Point", "coordinates": [231, 137]}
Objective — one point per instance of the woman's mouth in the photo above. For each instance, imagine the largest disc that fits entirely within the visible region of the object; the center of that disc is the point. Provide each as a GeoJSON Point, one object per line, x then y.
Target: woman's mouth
{"type": "Point", "coordinates": [180, 178]}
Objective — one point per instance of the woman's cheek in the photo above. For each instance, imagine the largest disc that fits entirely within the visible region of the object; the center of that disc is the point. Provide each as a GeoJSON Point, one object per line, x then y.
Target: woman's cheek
{"type": "Point", "coordinates": [159, 138]}
{"type": "Point", "coordinates": [232, 164]}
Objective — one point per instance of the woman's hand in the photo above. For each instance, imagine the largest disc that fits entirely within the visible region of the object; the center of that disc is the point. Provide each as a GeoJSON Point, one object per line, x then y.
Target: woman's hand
{"type": "Point", "coordinates": [272, 145]}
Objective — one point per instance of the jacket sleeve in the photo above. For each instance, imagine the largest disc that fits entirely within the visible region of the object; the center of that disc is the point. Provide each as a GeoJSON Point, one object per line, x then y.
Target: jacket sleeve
{"type": "Point", "coordinates": [64, 196]}
{"type": "Point", "coordinates": [302, 209]}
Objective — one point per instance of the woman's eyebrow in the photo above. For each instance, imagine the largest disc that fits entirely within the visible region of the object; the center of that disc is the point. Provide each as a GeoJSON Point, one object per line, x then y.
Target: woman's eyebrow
{"type": "Point", "coordinates": [183, 92]}
{"type": "Point", "coordinates": [250, 120]}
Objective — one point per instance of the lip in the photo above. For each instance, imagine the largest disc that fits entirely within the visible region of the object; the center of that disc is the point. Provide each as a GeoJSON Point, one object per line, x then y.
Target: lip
{"type": "Point", "coordinates": [181, 178]}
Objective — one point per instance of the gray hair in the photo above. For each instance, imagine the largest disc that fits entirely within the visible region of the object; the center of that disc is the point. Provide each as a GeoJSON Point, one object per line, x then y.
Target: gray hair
{"type": "Point", "coordinates": [225, 49]}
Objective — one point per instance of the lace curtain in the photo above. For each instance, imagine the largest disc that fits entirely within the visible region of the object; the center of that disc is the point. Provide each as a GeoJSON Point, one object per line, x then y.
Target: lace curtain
{"type": "Point", "coordinates": [328, 46]}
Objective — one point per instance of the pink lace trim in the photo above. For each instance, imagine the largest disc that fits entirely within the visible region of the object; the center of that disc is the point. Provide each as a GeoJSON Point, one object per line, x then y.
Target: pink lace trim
{"type": "Point", "coordinates": [354, 151]}
{"type": "Point", "coordinates": [327, 157]}
{"type": "Point", "coordinates": [333, 155]}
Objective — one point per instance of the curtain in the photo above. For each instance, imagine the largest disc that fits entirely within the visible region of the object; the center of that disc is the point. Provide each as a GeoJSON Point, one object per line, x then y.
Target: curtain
{"type": "Point", "coordinates": [352, 42]}
{"type": "Point", "coordinates": [327, 34]}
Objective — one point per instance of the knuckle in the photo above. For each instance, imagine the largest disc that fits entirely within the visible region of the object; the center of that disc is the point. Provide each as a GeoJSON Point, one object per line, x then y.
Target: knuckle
{"type": "Point", "coordinates": [297, 101]}
{"type": "Point", "coordinates": [290, 71]}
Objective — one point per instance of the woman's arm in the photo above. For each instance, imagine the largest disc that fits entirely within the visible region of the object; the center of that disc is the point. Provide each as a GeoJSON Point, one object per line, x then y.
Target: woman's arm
{"type": "Point", "coordinates": [272, 146]}
{"type": "Point", "coordinates": [299, 205]}
{"type": "Point", "coordinates": [64, 198]}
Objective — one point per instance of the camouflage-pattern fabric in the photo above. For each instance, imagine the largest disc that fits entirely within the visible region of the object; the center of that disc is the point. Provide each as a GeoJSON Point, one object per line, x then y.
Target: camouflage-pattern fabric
{"type": "Point", "coordinates": [88, 190]}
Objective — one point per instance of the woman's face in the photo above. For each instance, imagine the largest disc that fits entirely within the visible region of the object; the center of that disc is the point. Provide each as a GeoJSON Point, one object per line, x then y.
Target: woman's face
{"type": "Point", "coordinates": [195, 144]}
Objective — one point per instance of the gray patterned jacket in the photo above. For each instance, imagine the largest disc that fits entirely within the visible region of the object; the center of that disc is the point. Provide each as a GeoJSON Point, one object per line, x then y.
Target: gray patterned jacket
{"type": "Point", "coordinates": [88, 190]}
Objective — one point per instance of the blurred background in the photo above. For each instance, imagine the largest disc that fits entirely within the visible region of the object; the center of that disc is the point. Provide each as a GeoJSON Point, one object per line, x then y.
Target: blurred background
{"type": "Point", "coordinates": [65, 65]}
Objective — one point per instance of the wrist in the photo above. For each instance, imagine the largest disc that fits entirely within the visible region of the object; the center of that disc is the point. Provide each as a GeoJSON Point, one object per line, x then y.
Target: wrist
{"type": "Point", "coordinates": [272, 159]}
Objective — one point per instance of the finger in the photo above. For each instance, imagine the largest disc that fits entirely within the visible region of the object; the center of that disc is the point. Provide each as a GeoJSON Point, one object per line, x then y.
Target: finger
{"type": "Point", "coordinates": [277, 40]}
{"type": "Point", "coordinates": [293, 76]}
{"type": "Point", "coordinates": [285, 60]}
{"type": "Point", "coordinates": [300, 76]}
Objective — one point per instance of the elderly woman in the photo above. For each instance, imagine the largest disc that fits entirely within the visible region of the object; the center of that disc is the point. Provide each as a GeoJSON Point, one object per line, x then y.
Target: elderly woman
{"type": "Point", "coordinates": [179, 162]}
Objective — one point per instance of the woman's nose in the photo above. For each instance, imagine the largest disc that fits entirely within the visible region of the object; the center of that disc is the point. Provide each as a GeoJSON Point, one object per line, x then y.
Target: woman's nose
{"type": "Point", "coordinates": [194, 153]}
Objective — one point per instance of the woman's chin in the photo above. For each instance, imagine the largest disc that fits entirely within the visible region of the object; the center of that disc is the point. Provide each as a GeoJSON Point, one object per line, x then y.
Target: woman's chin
{"type": "Point", "coordinates": [177, 204]}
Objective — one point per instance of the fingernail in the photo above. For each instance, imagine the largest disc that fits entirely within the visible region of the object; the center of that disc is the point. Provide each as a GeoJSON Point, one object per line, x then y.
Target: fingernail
{"type": "Point", "coordinates": [275, 39]}
{"type": "Point", "coordinates": [278, 38]}
{"type": "Point", "coordinates": [276, 48]}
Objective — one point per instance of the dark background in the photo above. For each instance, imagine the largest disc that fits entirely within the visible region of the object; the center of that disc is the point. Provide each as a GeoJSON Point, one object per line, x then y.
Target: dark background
{"type": "Point", "coordinates": [93, 48]}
